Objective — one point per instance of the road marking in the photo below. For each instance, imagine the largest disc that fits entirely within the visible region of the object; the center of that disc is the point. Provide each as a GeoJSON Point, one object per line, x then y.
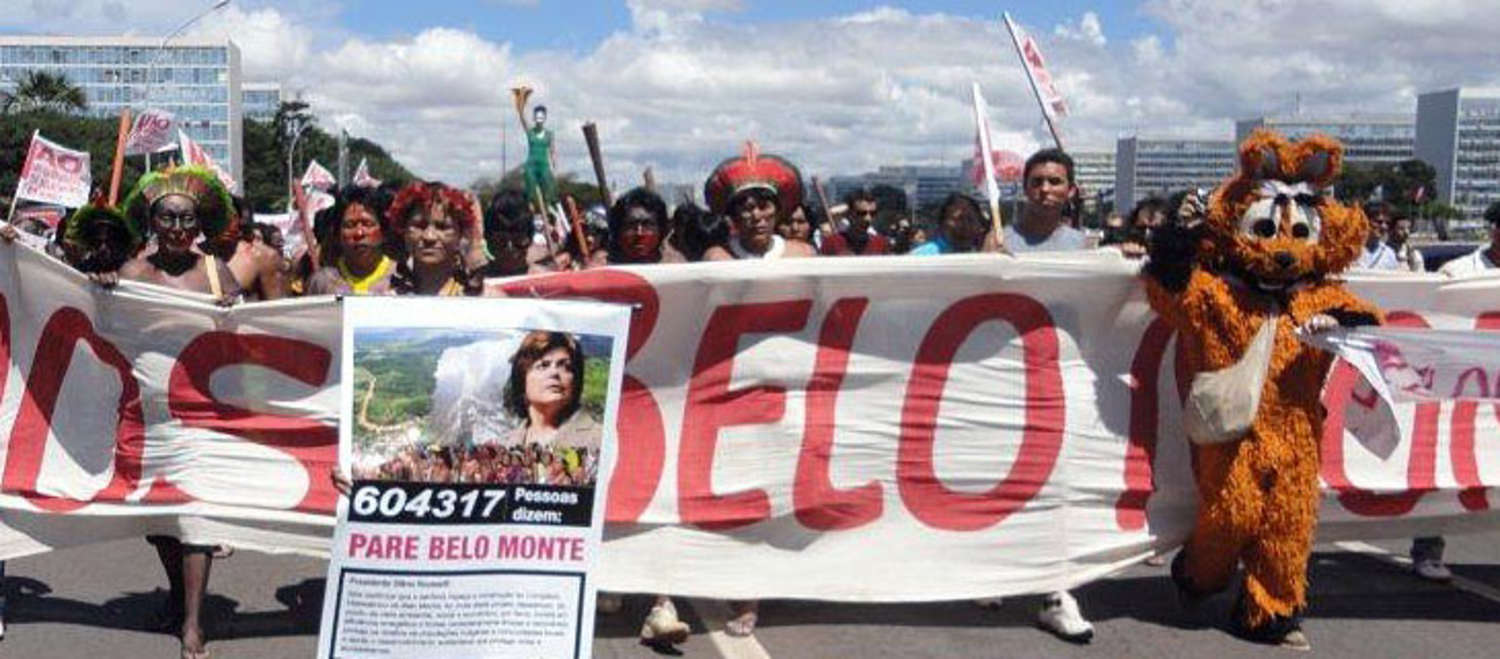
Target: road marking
{"type": "Point", "coordinates": [1465, 584]}
{"type": "Point", "coordinates": [714, 613]}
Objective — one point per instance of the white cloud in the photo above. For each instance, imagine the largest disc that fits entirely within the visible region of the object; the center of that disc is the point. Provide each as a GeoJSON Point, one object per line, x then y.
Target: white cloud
{"type": "Point", "coordinates": [680, 88]}
{"type": "Point", "coordinates": [1088, 29]}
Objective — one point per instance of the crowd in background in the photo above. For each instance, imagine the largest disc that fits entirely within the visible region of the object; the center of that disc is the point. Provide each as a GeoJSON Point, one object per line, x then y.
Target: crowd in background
{"type": "Point", "coordinates": [181, 229]}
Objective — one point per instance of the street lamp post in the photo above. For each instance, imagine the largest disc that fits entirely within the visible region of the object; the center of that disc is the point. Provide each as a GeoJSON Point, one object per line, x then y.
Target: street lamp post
{"type": "Point", "coordinates": [295, 128]}
{"type": "Point", "coordinates": [162, 49]}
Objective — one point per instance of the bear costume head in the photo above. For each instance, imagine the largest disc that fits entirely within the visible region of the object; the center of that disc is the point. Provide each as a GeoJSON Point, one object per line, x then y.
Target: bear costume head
{"type": "Point", "coordinates": [1272, 224]}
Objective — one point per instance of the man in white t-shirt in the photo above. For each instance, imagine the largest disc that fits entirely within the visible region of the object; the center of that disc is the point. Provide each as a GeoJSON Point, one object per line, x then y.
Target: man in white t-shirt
{"type": "Point", "coordinates": [1484, 258]}
{"type": "Point", "coordinates": [1377, 255]}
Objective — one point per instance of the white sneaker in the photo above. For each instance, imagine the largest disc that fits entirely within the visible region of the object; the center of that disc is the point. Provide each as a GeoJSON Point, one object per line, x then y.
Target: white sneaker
{"type": "Point", "coordinates": [991, 603]}
{"type": "Point", "coordinates": [1432, 569]}
{"type": "Point", "coordinates": [608, 603]}
{"type": "Point", "coordinates": [1060, 615]}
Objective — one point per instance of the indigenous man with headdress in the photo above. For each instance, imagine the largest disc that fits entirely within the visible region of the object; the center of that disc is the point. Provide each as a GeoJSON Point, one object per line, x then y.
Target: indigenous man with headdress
{"type": "Point", "coordinates": [98, 238]}
{"type": "Point", "coordinates": [176, 207]}
{"type": "Point", "coordinates": [755, 191]}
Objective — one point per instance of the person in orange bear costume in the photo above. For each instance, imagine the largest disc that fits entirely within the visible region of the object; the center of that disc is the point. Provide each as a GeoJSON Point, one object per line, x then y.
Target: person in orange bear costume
{"type": "Point", "coordinates": [1270, 246]}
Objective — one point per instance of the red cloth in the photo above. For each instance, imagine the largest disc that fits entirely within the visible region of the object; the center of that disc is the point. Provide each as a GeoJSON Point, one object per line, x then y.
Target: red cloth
{"type": "Point", "coordinates": [838, 245]}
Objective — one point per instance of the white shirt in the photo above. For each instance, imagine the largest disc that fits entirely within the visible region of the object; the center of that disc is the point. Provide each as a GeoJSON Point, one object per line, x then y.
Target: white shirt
{"type": "Point", "coordinates": [1380, 258]}
{"type": "Point", "coordinates": [1476, 261]}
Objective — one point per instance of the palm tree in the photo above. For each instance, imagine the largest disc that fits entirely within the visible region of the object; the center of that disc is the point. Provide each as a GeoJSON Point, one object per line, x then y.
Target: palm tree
{"type": "Point", "coordinates": [40, 90]}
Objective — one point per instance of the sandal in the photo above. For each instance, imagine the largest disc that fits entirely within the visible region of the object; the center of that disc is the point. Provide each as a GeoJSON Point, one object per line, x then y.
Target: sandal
{"type": "Point", "coordinates": [662, 627]}
{"type": "Point", "coordinates": [743, 623]}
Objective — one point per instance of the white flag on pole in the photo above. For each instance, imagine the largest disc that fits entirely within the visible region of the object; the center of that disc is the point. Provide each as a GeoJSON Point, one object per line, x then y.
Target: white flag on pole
{"type": "Point", "coordinates": [194, 154]}
{"type": "Point", "coordinates": [54, 174]}
{"type": "Point", "coordinates": [318, 176]}
{"type": "Point", "coordinates": [985, 146]}
{"type": "Point", "coordinates": [1042, 83]}
{"type": "Point", "coordinates": [152, 131]}
{"type": "Point", "coordinates": [362, 176]}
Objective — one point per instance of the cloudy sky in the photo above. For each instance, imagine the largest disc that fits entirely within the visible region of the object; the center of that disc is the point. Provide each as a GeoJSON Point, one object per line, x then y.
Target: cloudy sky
{"type": "Point", "coordinates": [839, 86]}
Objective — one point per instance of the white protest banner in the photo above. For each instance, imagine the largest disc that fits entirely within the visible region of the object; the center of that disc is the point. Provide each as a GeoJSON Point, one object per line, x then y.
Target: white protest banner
{"type": "Point", "coordinates": [318, 177]}
{"type": "Point", "coordinates": [1421, 365]}
{"type": "Point", "coordinates": [54, 174]}
{"type": "Point", "coordinates": [151, 132]}
{"type": "Point", "coordinates": [490, 507]}
{"type": "Point", "coordinates": [1042, 83]}
{"type": "Point", "coordinates": [194, 154]}
{"type": "Point", "coordinates": [362, 176]}
{"type": "Point", "coordinates": [831, 428]}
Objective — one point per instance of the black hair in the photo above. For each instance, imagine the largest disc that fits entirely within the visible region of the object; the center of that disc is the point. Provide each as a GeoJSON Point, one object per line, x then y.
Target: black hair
{"type": "Point", "coordinates": [508, 212]}
{"type": "Point", "coordinates": [1145, 207]}
{"type": "Point", "coordinates": [955, 198]}
{"type": "Point", "coordinates": [241, 208]}
{"type": "Point", "coordinates": [636, 198]}
{"type": "Point", "coordinates": [758, 194]}
{"type": "Point", "coordinates": [326, 222]}
{"type": "Point", "coordinates": [700, 230]}
{"type": "Point", "coordinates": [1492, 214]}
{"type": "Point", "coordinates": [1049, 155]}
{"type": "Point", "coordinates": [540, 108]}
{"type": "Point", "coordinates": [860, 193]}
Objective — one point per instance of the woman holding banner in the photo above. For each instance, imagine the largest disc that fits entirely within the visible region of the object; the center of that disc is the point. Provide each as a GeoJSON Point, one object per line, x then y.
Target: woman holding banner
{"type": "Point", "coordinates": [356, 260]}
{"type": "Point", "coordinates": [434, 219]}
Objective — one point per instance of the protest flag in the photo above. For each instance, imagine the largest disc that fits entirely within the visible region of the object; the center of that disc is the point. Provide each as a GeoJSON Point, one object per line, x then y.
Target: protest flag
{"type": "Point", "coordinates": [985, 149]}
{"type": "Point", "coordinates": [52, 174]}
{"type": "Point", "coordinates": [118, 166]}
{"type": "Point", "coordinates": [151, 131]}
{"type": "Point", "coordinates": [1042, 85]}
{"type": "Point", "coordinates": [362, 176]}
{"type": "Point", "coordinates": [318, 177]}
{"type": "Point", "coordinates": [193, 154]}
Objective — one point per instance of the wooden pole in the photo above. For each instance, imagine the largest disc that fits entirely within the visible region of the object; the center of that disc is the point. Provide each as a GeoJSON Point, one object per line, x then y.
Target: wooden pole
{"type": "Point", "coordinates": [591, 138]}
{"type": "Point", "coordinates": [119, 163]}
{"type": "Point", "coordinates": [578, 233]}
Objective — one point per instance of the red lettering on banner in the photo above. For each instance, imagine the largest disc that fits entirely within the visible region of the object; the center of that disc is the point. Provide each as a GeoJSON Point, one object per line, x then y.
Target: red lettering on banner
{"type": "Point", "coordinates": [640, 435]}
{"type": "Point", "coordinates": [1472, 493]}
{"type": "Point", "coordinates": [312, 443]}
{"type": "Point", "coordinates": [1421, 467]}
{"type": "Point", "coordinates": [1140, 453]}
{"type": "Point", "coordinates": [28, 438]}
{"type": "Point", "coordinates": [818, 504]}
{"type": "Point", "coordinates": [924, 495]}
{"type": "Point", "coordinates": [712, 405]}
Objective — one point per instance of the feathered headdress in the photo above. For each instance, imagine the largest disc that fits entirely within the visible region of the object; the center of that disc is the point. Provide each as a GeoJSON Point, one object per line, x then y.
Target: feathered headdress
{"type": "Point", "coordinates": [76, 229]}
{"type": "Point", "coordinates": [753, 170]}
{"type": "Point", "coordinates": [212, 204]}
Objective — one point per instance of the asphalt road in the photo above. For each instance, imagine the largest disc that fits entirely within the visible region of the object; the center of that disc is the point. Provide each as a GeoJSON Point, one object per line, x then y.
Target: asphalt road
{"type": "Point", "coordinates": [96, 602]}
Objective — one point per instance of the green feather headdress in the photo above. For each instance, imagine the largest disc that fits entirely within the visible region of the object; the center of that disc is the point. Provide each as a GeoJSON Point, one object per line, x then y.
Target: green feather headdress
{"type": "Point", "coordinates": [200, 184]}
{"type": "Point", "coordinates": [75, 230]}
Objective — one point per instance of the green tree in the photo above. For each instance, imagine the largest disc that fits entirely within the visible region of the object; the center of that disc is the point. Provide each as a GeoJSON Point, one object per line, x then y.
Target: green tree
{"type": "Point", "coordinates": [1397, 183]}
{"type": "Point", "coordinates": [95, 135]}
{"type": "Point", "coordinates": [41, 90]}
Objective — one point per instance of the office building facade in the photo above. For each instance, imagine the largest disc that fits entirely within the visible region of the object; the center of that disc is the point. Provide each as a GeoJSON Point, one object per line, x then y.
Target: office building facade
{"type": "Point", "coordinates": [1375, 139]}
{"type": "Point", "coordinates": [924, 185]}
{"type": "Point", "coordinates": [1159, 167]}
{"type": "Point", "coordinates": [1458, 133]}
{"type": "Point", "coordinates": [260, 100]}
{"type": "Point", "coordinates": [196, 80]}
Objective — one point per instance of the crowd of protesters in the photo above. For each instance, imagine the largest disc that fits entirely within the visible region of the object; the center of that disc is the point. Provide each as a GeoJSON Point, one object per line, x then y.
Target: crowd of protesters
{"type": "Point", "coordinates": [181, 229]}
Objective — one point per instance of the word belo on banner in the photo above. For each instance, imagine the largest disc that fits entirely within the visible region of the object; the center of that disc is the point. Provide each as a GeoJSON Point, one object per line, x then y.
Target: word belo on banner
{"type": "Point", "coordinates": [822, 425]}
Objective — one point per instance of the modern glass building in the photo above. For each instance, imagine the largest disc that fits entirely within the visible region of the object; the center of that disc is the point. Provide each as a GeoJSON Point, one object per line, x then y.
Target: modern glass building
{"type": "Point", "coordinates": [1160, 167]}
{"type": "Point", "coordinates": [197, 80]}
{"type": "Point", "coordinates": [1458, 133]}
{"type": "Point", "coordinates": [1094, 171]}
{"type": "Point", "coordinates": [1368, 139]}
{"type": "Point", "coordinates": [261, 100]}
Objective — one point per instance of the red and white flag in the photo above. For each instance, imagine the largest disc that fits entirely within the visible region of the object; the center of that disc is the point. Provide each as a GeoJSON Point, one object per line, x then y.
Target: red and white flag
{"type": "Point", "coordinates": [362, 176]}
{"type": "Point", "coordinates": [53, 174]}
{"type": "Point", "coordinates": [151, 132]}
{"type": "Point", "coordinates": [1042, 83]}
{"type": "Point", "coordinates": [318, 176]}
{"type": "Point", "coordinates": [984, 147]}
{"type": "Point", "coordinates": [194, 154]}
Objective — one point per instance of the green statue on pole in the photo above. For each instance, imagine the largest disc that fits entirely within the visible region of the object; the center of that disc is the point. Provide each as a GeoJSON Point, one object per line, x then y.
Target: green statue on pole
{"type": "Point", "coordinates": [541, 153]}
